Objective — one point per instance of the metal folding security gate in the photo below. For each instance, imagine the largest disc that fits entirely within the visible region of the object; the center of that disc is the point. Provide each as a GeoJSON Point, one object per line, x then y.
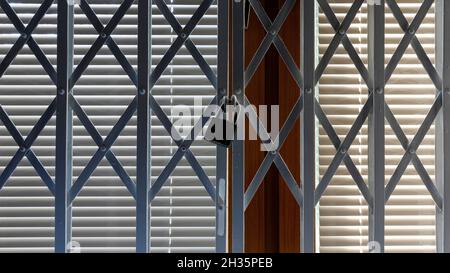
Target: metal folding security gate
{"type": "Point", "coordinates": [307, 109]}
{"type": "Point", "coordinates": [375, 110]}
{"type": "Point", "coordinates": [65, 78]}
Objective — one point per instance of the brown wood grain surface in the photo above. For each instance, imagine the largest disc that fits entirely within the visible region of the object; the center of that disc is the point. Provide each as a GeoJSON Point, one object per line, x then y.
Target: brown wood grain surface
{"type": "Point", "coordinates": [272, 219]}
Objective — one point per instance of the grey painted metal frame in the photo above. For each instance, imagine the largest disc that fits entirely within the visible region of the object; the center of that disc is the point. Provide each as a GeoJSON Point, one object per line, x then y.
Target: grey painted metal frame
{"type": "Point", "coordinates": [222, 152]}
{"type": "Point", "coordinates": [143, 177]}
{"type": "Point", "coordinates": [376, 22]}
{"type": "Point", "coordinates": [64, 119]}
{"type": "Point", "coordinates": [238, 148]}
{"type": "Point", "coordinates": [442, 8]}
{"type": "Point", "coordinates": [308, 125]}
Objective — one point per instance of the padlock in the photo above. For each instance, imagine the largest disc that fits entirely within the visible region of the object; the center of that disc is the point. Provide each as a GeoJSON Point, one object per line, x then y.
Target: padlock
{"type": "Point", "coordinates": [227, 133]}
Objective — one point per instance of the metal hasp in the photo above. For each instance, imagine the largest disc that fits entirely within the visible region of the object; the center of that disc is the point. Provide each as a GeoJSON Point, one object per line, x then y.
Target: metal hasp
{"type": "Point", "coordinates": [241, 77]}
{"type": "Point", "coordinates": [144, 103]}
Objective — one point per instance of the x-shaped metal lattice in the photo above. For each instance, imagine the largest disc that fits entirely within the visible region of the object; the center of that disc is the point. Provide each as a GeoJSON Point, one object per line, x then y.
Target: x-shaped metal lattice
{"type": "Point", "coordinates": [411, 147]}
{"type": "Point", "coordinates": [274, 156]}
{"type": "Point", "coordinates": [342, 147]}
{"type": "Point", "coordinates": [105, 144]}
{"type": "Point", "coordinates": [25, 144]}
{"type": "Point", "coordinates": [183, 144]}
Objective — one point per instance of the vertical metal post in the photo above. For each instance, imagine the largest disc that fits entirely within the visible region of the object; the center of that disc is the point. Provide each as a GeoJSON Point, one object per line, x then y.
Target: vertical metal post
{"type": "Point", "coordinates": [221, 152]}
{"type": "Point", "coordinates": [376, 21]}
{"type": "Point", "coordinates": [308, 130]}
{"type": "Point", "coordinates": [143, 176]}
{"type": "Point", "coordinates": [238, 219]}
{"type": "Point", "coordinates": [443, 126]}
{"type": "Point", "coordinates": [63, 160]}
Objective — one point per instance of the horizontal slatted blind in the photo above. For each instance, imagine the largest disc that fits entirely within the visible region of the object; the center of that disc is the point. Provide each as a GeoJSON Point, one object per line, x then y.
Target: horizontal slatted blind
{"type": "Point", "coordinates": [410, 93]}
{"type": "Point", "coordinates": [183, 215]}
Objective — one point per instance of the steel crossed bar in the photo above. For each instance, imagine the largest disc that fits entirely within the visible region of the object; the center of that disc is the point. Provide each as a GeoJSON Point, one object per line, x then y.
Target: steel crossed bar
{"type": "Point", "coordinates": [103, 150]}
{"type": "Point", "coordinates": [29, 140]}
{"type": "Point", "coordinates": [272, 32]}
{"type": "Point", "coordinates": [407, 38]}
{"type": "Point", "coordinates": [338, 37]}
{"type": "Point", "coordinates": [98, 139]}
{"type": "Point", "coordinates": [354, 56]}
{"type": "Point", "coordinates": [415, 159]}
{"type": "Point", "coordinates": [34, 161]}
{"type": "Point", "coordinates": [176, 26]}
{"type": "Point", "coordinates": [412, 149]}
{"type": "Point", "coordinates": [415, 43]}
{"type": "Point", "coordinates": [180, 41]}
{"type": "Point", "coordinates": [343, 149]}
{"type": "Point", "coordinates": [272, 29]}
{"type": "Point", "coordinates": [112, 45]}
{"type": "Point", "coordinates": [270, 157]}
{"type": "Point", "coordinates": [183, 145]}
{"type": "Point", "coordinates": [25, 32]}
{"type": "Point", "coordinates": [273, 155]}
{"type": "Point", "coordinates": [183, 151]}
{"type": "Point", "coordinates": [100, 41]}
{"type": "Point", "coordinates": [334, 138]}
